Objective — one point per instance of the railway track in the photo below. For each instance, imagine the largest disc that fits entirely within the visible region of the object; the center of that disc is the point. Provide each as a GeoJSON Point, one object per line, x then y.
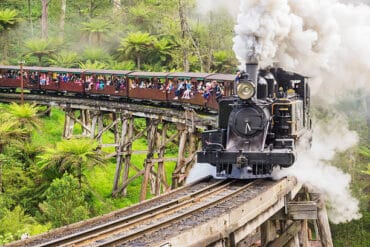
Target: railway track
{"type": "Point", "coordinates": [152, 221]}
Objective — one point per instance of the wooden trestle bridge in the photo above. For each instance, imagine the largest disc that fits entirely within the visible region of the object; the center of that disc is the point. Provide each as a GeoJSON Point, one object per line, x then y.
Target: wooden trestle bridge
{"type": "Point", "coordinates": [205, 213]}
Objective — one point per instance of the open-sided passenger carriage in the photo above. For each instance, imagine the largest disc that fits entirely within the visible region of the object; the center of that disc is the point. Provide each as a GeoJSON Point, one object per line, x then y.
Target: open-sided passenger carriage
{"type": "Point", "coordinates": [119, 85]}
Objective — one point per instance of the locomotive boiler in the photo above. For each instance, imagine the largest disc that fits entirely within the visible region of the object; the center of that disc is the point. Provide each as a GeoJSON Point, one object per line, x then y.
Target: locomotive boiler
{"type": "Point", "coordinates": [260, 126]}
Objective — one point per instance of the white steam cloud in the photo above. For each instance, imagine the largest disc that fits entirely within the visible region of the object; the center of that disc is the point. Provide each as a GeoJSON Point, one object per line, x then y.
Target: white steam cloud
{"type": "Point", "coordinates": [312, 169]}
{"type": "Point", "coordinates": [327, 40]}
{"type": "Point", "coordinates": [205, 6]}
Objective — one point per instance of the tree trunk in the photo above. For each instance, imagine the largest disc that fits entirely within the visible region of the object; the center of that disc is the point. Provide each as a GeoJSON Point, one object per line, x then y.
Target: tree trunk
{"type": "Point", "coordinates": [116, 5]}
{"type": "Point", "coordinates": [5, 47]}
{"type": "Point", "coordinates": [29, 16]}
{"type": "Point", "coordinates": [62, 18]}
{"type": "Point", "coordinates": [185, 52]}
{"type": "Point", "coordinates": [44, 19]}
{"type": "Point", "coordinates": [185, 31]}
{"type": "Point", "coordinates": [138, 61]}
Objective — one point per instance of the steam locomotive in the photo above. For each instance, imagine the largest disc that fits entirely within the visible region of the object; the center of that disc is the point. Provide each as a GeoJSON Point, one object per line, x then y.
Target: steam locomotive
{"type": "Point", "coordinates": [260, 126]}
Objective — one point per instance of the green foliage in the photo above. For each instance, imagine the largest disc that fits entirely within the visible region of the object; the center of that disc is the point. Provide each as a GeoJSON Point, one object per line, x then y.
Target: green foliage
{"type": "Point", "coordinates": [125, 65]}
{"type": "Point", "coordinates": [354, 234]}
{"type": "Point", "coordinates": [25, 115]}
{"type": "Point", "coordinates": [96, 29]}
{"type": "Point", "coordinates": [96, 54]}
{"type": "Point", "coordinates": [64, 59]}
{"type": "Point", "coordinates": [9, 131]}
{"type": "Point", "coordinates": [73, 206]}
{"type": "Point", "coordinates": [8, 19]}
{"type": "Point", "coordinates": [41, 48]}
{"type": "Point", "coordinates": [14, 223]}
{"type": "Point", "coordinates": [72, 156]}
{"type": "Point", "coordinates": [223, 62]}
{"type": "Point", "coordinates": [93, 65]}
{"type": "Point", "coordinates": [137, 45]}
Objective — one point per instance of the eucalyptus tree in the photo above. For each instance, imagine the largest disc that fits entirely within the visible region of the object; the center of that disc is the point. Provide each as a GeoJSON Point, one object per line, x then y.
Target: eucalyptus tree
{"type": "Point", "coordinates": [137, 45]}
{"type": "Point", "coordinates": [44, 19]}
{"type": "Point", "coordinates": [72, 156]}
{"type": "Point", "coordinates": [8, 20]}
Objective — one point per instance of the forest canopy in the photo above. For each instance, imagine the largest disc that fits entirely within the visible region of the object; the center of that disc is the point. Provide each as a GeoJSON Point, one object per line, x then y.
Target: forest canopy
{"type": "Point", "coordinates": [150, 35]}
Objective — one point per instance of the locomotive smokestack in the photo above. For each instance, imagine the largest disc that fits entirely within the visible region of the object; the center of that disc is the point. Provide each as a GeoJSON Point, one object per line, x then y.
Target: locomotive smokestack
{"type": "Point", "coordinates": [252, 69]}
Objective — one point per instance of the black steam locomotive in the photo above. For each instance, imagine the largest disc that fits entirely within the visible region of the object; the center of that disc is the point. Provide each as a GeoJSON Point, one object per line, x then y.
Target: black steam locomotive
{"type": "Point", "coordinates": [261, 126]}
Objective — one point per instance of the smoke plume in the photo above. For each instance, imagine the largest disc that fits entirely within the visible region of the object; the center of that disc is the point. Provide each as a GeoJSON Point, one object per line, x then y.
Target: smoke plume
{"type": "Point", "coordinates": [313, 170]}
{"type": "Point", "coordinates": [328, 41]}
{"type": "Point", "coordinates": [205, 6]}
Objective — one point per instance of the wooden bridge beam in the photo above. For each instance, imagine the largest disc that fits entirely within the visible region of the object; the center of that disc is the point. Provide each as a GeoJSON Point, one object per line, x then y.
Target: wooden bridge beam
{"type": "Point", "coordinates": [268, 232]}
{"type": "Point", "coordinates": [152, 124]}
{"type": "Point", "coordinates": [94, 124]}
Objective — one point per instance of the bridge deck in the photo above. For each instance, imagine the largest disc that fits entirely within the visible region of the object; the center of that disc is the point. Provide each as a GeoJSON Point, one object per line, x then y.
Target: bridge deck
{"type": "Point", "coordinates": [139, 110]}
{"type": "Point", "coordinates": [208, 211]}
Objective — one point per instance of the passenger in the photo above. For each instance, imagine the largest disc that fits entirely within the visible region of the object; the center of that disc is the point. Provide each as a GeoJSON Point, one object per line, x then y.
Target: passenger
{"type": "Point", "coordinates": [238, 76]}
{"type": "Point", "coordinates": [65, 78]}
{"type": "Point", "coordinates": [43, 79]}
{"type": "Point", "coordinates": [133, 83]}
{"type": "Point", "coordinates": [87, 85]}
{"type": "Point", "coordinates": [101, 85]}
{"type": "Point", "coordinates": [123, 83]}
{"type": "Point", "coordinates": [207, 91]}
{"type": "Point", "coordinates": [187, 92]}
{"type": "Point", "coordinates": [169, 87]}
{"type": "Point", "coordinates": [200, 88]}
{"type": "Point", "coordinates": [142, 84]}
{"type": "Point", "coordinates": [216, 89]}
{"type": "Point", "coordinates": [179, 90]}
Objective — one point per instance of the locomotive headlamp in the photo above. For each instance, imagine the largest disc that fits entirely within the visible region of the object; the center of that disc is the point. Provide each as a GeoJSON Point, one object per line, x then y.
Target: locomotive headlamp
{"type": "Point", "coordinates": [245, 90]}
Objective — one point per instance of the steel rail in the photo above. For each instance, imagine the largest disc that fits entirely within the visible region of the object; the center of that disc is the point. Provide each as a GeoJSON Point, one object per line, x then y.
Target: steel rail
{"type": "Point", "coordinates": [129, 221]}
{"type": "Point", "coordinates": [39, 240]}
{"type": "Point", "coordinates": [168, 221]}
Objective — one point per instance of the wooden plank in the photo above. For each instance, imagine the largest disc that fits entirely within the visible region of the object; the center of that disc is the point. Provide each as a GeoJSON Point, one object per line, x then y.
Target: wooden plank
{"type": "Point", "coordinates": [180, 157]}
{"type": "Point", "coordinates": [128, 148]}
{"type": "Point", "coordinates": [324, 226]}
{"type": "Point", "coordinates": [268, 232]}
{"type": "Point", "coordinates": [119, 158]}
{"type": "Point", "coordinates": [302, 210]}
{"type": "Point", "coordinates": [303, 234]}
{"type": "Point", "coordinates": [85, 128]}
{"type": "Point", "coordinates": [148, 174]}
{"type": "Point", "coordinates": [284, 238]}
{"type": "Point", "coordinates": [242, 220]}
{"type": "Point", "coordinates": [161, 169]}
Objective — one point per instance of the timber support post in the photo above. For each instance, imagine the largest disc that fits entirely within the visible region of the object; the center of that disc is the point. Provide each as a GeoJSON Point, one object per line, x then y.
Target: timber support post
{"type": "Point", "coordinates": [152, 126]}
{"type": "Point", "coordinates": [94, 123]}
{"type": "Point", "coordinates": [289, 227]}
